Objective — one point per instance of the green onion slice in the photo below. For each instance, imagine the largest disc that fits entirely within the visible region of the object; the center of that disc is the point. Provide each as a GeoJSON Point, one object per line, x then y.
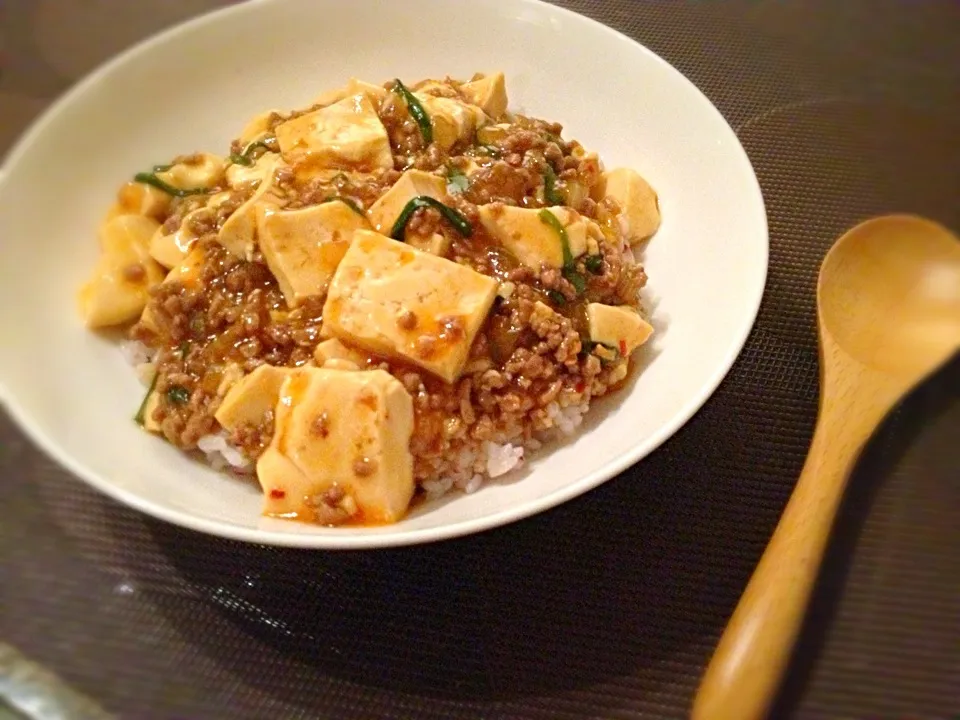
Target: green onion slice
{"type": "Point", "coordinates": [150, 178]}
{"type": "Point", "coordinates": [550, 192]}
{"type": "Point", "coordinates": [142, 410]}
{"type": "Point", "coordinates": [416, 110]}
{"type": "Point", "coordinates": [459, 222]}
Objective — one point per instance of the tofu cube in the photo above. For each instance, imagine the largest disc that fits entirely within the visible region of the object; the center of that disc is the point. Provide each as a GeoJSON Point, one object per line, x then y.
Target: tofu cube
{"type": "Point", "coordinates": [340, 435]}
{"type": "Point", "coordinates": [188, 271]}
{"type": "Point", "coordinates": [534, 242]}
{"type": "Point", "coordinates": [333, 351]}
{"type": "Point", "coordinates": [435, 243]}
{"type": "Point", "coordinates": [202, 170]}
{"type": "Point", "coordinates": [169, 249]}
{"type": "Point", "coordinates": [488, 93]}
{"type": "Point", "coordinates": [413, 183]}
{"type": "Point", "coordinates": [453, 121]}
{"type": "Point", "coordinates": [636, 199]}
{"type": "Point", "coordinates": [346, 135]}
{"type": "Point", "coordinates": [258, 127]}
{"type": "Point", "coordinates": [251, 397]}
{"type": "Point", "coordinates": [617, 327]}
{"type": "Point", "coordinates": [136, 198]}
{"type": "Point", "coordinates": [119, 286]}
{"type": "Point", "coordinates": [303, 247]}
{"type": "Point", "coordinates": [353, 87]}
{"type": "Point", "coordinates": [238, 234]}
{"type": "Point", "coordinates": [394, 300]}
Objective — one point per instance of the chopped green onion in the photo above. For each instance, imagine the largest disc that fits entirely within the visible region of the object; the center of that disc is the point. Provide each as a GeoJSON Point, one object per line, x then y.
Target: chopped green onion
{"type": "Point", "coordinates": [140, 417]}
{"type": "Point", "coordinates": [548, 218]}
{"type": "Point", "coordinates": [575, 279]}
{"type": "Point", "coordinates": [197, 325]}
{"type": "Point", "coordinates": [550, 192]}
{"type": "Point", "coordinates": [243, 157]}
{"type": "Point", "coordinates": [569, 270]}
{"type": "Point", "coordinates": [556, 297]}
{"type": "Point", "coordinates": [349, 202]}
{"type": "Point", "coordinates": [459, 222]}
{"type": "Point", "coordinates": [161, 168]}
{"type": "Point", "coordinates": [594, 263]}
{"type": "Point", "coordinates": [457, 181]}
{"type": "Point", "coordinates": [184, 349]}
{"type": "Point", "coordinates": [416, 110]}
{"type": "Point", "coordinates": [150, 178]}
{"type": "Point", "coordinates": [606, 353]}
{"type": "Point", "coordinates": [178, 395]}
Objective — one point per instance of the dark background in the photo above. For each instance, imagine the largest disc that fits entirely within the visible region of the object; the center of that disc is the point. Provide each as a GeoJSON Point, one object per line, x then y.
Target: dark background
{"type": "Point", "coordinates": [610, 605]}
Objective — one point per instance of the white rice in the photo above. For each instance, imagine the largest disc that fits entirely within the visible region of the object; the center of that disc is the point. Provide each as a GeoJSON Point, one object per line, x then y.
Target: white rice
{"type": "Point", "coordinates": [135, 352]}
{"type": "Point", "coordinates": [221, 454]}
{"type": "Point", "coordinates": [141, 357]}
{"type": "Point", "coordinates": [567, 419]}
{"type": "Point", "coordinates": [472, 468]}
{"type": "Point", "coordinates": [471, 484]}
{"type": "Point", "coordinates": [501, 459]}
{"type": "Point", "coordinates": [438, 487]}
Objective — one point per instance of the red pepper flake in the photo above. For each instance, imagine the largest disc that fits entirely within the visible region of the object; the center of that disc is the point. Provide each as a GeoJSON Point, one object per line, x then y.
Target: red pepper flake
{"type": "Point", "coordinates": [623, 346]}
{"type": "Point", "coordinates": [277, 494]}
{"type": "Point", "coordinates": [580, 386]}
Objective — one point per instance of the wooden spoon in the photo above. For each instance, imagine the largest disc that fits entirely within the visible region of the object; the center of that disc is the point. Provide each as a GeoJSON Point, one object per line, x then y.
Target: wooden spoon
{"type": "Point", "coordinates": [888, 310]}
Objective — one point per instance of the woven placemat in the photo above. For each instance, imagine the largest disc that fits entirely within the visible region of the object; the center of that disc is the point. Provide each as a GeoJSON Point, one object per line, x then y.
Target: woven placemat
{"type": "Point", "coordinates": [609, 606]}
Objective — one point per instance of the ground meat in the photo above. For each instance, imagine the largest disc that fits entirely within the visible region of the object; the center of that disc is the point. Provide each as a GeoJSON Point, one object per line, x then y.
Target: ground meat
{"type": "Point", "coordinates": [523, 141]}
{"type": "Point", "coordinates": [554, 155]}
{"type": "Point", "coordinates": [134, 273]}
{"type": "Point", "coordinates": [403, 131]}
{"type": "Point", "coordinates": [362, 189]}
{"type": "Point", "coordinates": [617, 283]}
{"type": "Point", "coordinates": [202, 223]}
{"type": "Point", "coordinates": [228, 206]}
{"type": "Point", "coordinates": [235, 316]}
{"type": "Point", "coordinates": [552, 278]}
{"type": "Point", "coordinates": [179, 209]}
{"type": "Point", "coordinates": [588, 207]}
{"type": "Point", "coordinates": [502, 182]}
{"type": "Point", "coordinates": [429, 160]}
{"type": "Point", "coordinates": [424, 222]}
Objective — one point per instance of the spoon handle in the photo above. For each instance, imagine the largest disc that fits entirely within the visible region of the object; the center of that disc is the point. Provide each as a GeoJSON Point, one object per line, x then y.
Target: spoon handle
{"type": "Point", "coordinates": [745, 671]}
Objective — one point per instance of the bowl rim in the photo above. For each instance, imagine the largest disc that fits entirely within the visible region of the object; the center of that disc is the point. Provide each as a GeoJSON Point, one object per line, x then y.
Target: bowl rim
{"type": "Point", "coordinates": [353, 540]}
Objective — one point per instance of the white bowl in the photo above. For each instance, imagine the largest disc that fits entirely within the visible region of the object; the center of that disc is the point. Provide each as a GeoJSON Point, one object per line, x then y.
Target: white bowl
{"type": "Point", "coordinates": [194, 86]}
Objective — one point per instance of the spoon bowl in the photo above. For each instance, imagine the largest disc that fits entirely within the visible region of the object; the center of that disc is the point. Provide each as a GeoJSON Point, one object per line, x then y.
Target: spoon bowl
{"type": "Point", "coordinates": [888, 309]}
{"type": "Point", "coordinates": [889, 294]}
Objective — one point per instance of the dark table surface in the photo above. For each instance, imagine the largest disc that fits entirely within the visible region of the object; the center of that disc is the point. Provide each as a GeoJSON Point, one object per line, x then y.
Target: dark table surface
{"type": "Point", "coordinates": [610, 605]}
